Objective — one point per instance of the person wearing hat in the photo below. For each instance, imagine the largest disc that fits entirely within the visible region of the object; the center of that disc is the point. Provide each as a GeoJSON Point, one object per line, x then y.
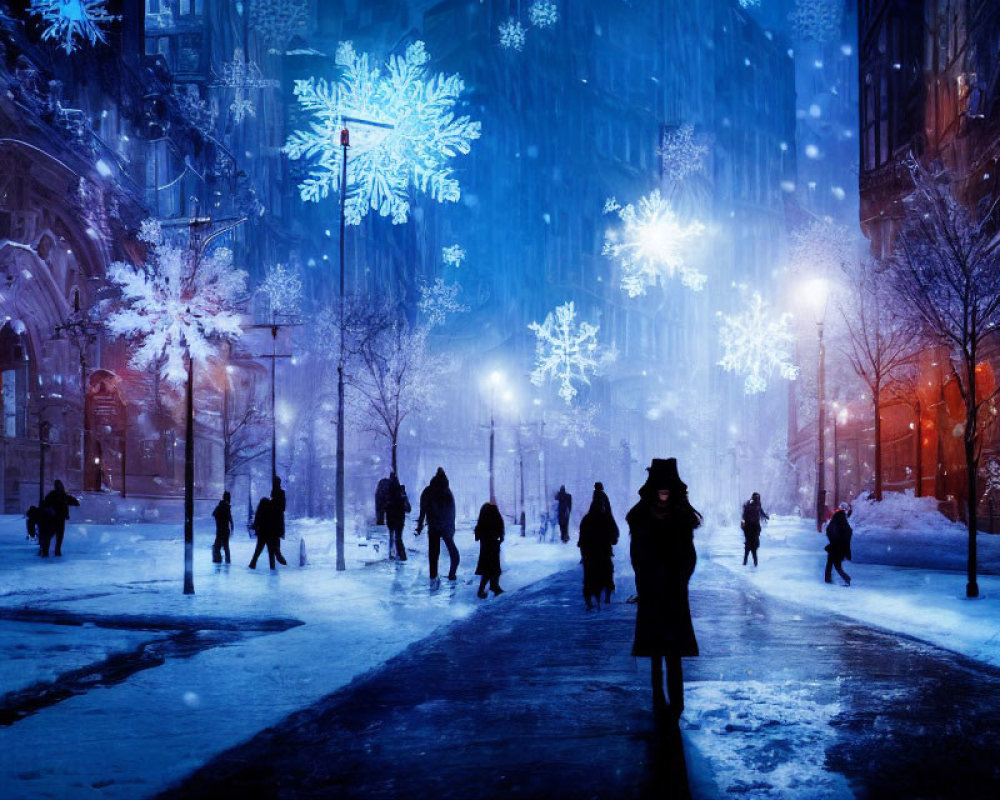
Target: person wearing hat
{"type": "Point", "coordinates": [661, 526]}
{"type": "Point", "coordinates": [598, 536]}
{"type": "Point", "coordinates": [838, 531]}
{"type": "Point", "coordinates": [752, 515]}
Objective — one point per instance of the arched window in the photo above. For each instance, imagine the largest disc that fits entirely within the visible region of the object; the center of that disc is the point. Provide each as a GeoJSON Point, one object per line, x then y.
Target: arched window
{"type": "Point", "coordinates": [13, 382]}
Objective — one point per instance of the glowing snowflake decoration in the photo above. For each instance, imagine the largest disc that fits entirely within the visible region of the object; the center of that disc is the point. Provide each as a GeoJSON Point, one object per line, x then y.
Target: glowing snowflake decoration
{"type": "Point", "coordinates": [512, 35]}
{"type": "Point", "coordinates": [242, 76]}
{"type": "Point", "coordinates": [175, 305]}
{"type": "Point", "coordinates": [283, 290]}
{"type": "Point", "coordinates": [651, 246]}
{"type": "Point", "coordinates": [611, 205]}
{"type": "Point", "coordinates": [543, 14]}
{"type": "Point", "coordinates": [73, 21]}
{"type": "Point", "coordinates": [564, 350]}
{"type": "Point", "coordinates": [756, 343]}
{"type": "Point", "coordinates": [818, 20]}
{"type": "Point", "coordinates": [439, 300]}
{"type": "Point", "coordinates": [574, 426]}
{"type": "Point", "coordinates": [241, 108]}
{"type": "Point", "coordinates": [454, 255]}
{"type": "Point", "coordinates": [384, 162]}
{"type": "Point", "coordinates": [680, 155]}
{"type": "Point", "coordinates": [276, 22]}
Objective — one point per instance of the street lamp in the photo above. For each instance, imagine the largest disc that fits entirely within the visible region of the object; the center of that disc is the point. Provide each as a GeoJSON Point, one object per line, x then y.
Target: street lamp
{"type": "Point", "coordinates": [816, 295]}
{"type": "Point", "coordinates": [840, 419]}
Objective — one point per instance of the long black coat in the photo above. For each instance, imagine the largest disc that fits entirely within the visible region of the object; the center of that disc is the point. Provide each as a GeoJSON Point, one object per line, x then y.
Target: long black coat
{"type": "Point", "coordinates": [397, 506]}
{"type": "Point", "coordinates": [598, 535]}
{"type": "Point", "coordinates": [664, 558]}
{"type": "Point", "coordinates": [437, 506]}
{"type": "Point", "coordinates": [839, 531]}
{"type": "Point", "coordinates": [752, 515]}
{"type": "Point", "coordinates": [278, 510]}
{"type": "Point", "coordinates": [489, 534]}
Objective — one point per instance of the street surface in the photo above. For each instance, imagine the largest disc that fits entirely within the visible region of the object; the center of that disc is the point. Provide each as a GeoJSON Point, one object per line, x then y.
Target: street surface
{"type": "Point", "coordinates": [534, 697]}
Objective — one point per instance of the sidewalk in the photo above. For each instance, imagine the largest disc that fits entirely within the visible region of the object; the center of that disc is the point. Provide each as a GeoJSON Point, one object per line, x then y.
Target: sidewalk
{"type": "Point", "coordinates": [533, 697]}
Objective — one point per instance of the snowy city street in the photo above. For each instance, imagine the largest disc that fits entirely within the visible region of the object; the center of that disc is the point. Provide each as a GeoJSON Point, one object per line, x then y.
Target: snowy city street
{"type": "Point", "coordinates": [481, 399]}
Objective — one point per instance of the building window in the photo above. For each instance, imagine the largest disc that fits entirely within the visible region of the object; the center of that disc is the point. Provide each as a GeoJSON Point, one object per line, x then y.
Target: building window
{"type": "Point", "coordinates": [13, 384]}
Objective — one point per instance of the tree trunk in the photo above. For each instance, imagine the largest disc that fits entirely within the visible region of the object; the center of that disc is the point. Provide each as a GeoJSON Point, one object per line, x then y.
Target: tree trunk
{"type": "Point", "coordinates": [189, 483]}
{"type": "Point", "coordinates": [395, 447]}
{"type": "Point", "coordinates": [877, 396]}
{"type": "Point", "coordinates": [971, 470]}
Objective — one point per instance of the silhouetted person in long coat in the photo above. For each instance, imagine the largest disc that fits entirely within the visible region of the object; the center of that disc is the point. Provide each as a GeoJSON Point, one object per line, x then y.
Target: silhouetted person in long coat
{"type": "Point", "coordinates": [265, 523]}
{"type": "Point", "coordinates": [489, 534]}
{"type": "Point", "coordinates": [752, 515]}
{"type": "Point", "coordinates": [397, 506]}
{"type": "Point", "coordinates": [223, 515]}
{"type": "Point", "coordinates": [59, 501]}
{"type": "Point", "coordinates": [278, 506]}
{"type": "Point", "coordinates": [437, 506]}
{"type": "Point", "coordinates": [42, 524]}
{"type": "Point", "coordinates": [598, 536]}
{"type": "Point", "coordinates": [662, 526]}
{"type": "Point", "coordinates": [838, 531]}
{"type": "Point", "coordinates": [564, 505]}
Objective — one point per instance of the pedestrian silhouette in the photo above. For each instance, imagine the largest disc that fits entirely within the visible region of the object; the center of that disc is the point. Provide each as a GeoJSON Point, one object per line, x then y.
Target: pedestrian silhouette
{"type": "Point", "coordinates": [752, 515]}
{"type": "Point", "coordinates": [437, 506]}
{"type": "Point", "coordinates": [59, 501]}
{"type": "Point", "coordinates": [41, 521]}
{"type": "Point", "coordinates": [838, 531]}
{"type": "Point", "coordinates": [397, 506]}
{"type": "Point", "coordinates": [598, 536]}
{"type": "Point", "coordinates": [278, 507]}
{"type": "Point", "coordinates": [564, 505]}
{"type": "Point", "coordinates": [265, 523]}
{"type": "Point", "coordinates": [489, 534]}
{"type": "Point", "coordinates": [223, 515]}
{"type": "Point", "coordinates": [662, 526]}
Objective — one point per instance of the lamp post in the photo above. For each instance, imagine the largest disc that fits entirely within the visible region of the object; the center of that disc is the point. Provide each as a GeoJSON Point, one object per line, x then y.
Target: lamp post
{"type": "Point", "coordinates": [345, 143]}
{"type": "Point", "coordinates": [839, 419]}
{"type": "Point", "coordinates": [816, 291]}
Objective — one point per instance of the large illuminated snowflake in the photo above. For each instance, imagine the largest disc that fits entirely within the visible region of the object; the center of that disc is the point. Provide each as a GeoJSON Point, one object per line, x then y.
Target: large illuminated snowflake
{"type": "Point", "coordinates": [756, 343]}
{"type": "Point", "coordinates": [512, 35]}
{"type": "Point", "coordinates": [680, 154]}
{"type": "Point", "coordinates": [651, 246]}
{"type": "Point", "coordinates": [419, 135]}
{"type": "Point", "coordinates": [564, 350]}
{"type": "Point", "coordinates": [175, 304]}
{"type": "Point", "coordinates": [818, 20]}
{"type": "Point", "coordinates": [276, 21]}
{"type": "Point", "coordinates": [283, 289]}
{"type": "Point", "coordinates": [543, 13]}
{"type": "Point", "coordinates": [73, 21]}
{"type": "Point", "coordinates": [439, 300]}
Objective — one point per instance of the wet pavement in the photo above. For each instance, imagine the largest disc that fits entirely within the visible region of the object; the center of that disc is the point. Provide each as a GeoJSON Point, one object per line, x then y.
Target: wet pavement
{"type": "Point", "coordinates": [533, 697]}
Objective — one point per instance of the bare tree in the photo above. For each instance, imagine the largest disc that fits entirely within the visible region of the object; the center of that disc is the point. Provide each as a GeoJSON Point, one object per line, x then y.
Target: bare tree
{"type": "Point", "coordinates": [947, 271]}
{"type": "Point", "coordinates": [880, 345]}
{"type": "Point", "coordinates": [244, 434]}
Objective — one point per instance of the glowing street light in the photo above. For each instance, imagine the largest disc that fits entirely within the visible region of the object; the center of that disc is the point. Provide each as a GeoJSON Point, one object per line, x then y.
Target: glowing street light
{"type": "Point", "coordinates": [815, 293]}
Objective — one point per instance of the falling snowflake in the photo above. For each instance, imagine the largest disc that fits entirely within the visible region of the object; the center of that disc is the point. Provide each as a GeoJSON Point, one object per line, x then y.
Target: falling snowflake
{"type": "Point", "coordinates": [512, 35]}
{"type": "Point", "coordinates": [756, 342]}
{"type": "Point", "coordinates": [543, 14]}
{"type": "Point", "coordinates": [283, 290]}
{"type": "Point", "coordinates": [651, 245]}
{"type": "Point", "coordinates": [818, 20]}
{"type": "Point", "coordinates": [72, 20]}
{"type": "Point", "coordinates": [177, 304]}
{"type": "Point", "coordinates": [611, 205]}
{"type": "Point", "coordinates": [564, 351]}
{"type": "Point", "coordinates": [680, 155]}
{"type": "Point", "coordinates": [241, 108]}
{"type": "Point", "coordinates": [453, 255]}
{"type": "Point", "coordinates": [419, 133]}
{"type": "Point", "coordinates": [574, 426]}
{"type": "Point", "coordinates": [439, 300]}
{"type": "Point", "coordinates": [276, 22]}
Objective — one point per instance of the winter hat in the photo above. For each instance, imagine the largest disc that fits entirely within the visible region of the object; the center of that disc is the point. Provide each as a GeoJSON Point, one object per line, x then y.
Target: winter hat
{"type": "Point", "coordinates": [662, 475]}
{"type": "Point", "coordinates": [598, 487]}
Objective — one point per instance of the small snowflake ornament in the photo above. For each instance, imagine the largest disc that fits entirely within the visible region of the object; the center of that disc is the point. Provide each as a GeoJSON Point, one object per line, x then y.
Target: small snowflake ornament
{"type": "Point", "coordinates": [73, 22]}
{"type": "Point", "coordinates": [651, 245]}
{"type": "Point", "coordinates": [283, 289]}
{"type": "Point", "coordinates": [543, 14]}
{"type": "Point", "coordinates": [512, 35]}
{"type": "Point", "coordinates": [410, 134]}
{"type": "Point", "coordinates": [453, 256]}
{"type": "Point", "coordinates": [439, 300]}
{"type": "Point", "coordinates": [756, 343]}
{"type": "Point", "coordinates": [680, 155]}
{"type": "Point", "coordinates": [565, 351]}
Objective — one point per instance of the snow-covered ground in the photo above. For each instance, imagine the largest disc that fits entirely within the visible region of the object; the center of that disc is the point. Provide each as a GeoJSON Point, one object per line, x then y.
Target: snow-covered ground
{"type": "Point", "coordinates": [178, 715]}
{"type": "Point", "coordinates": [908, 574]}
